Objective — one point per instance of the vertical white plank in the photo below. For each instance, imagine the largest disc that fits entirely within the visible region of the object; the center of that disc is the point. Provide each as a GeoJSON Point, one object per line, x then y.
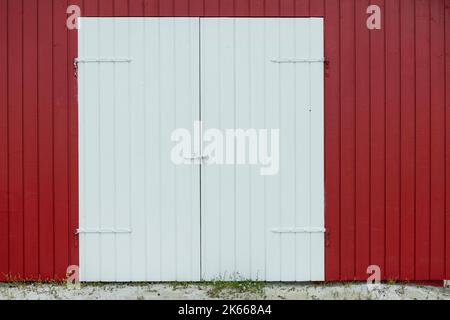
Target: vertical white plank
{"type": "Point", "coordinates": [138, 165]}
{"type": "Point", "coordinates": [122, 150]}
{"type": "Point", "coordinates": [225, 81]}
{"type": "Point", "coordinates": [106, 156]}
{"type": "Point", "coordinates": [187, 109]}
{"type": "Point", "coordinates": [258, 106]}
{"type": "Point", "coordinates": [302, 149]}
{"type": "Point", "coordinates": [194, 94]}
{"type": "Point", "coordinates": [287, 148]}
{"type": "Point", "coordinates": [210, 114]}
{"type": "Point", "coordinates": [242, 121]}
{"type": "Point", "coordinates": [272, 98]}
{"type": "Point", "coordinates": [153, 175]}
{"type": "Point", "coordinates": [82, 149]}
{"type": "Point", "coordinates": [91, 150]}
{"type": "Point", "coordinates": [317, 151]}
{"type": "Point", "coordinates": [168, 219]}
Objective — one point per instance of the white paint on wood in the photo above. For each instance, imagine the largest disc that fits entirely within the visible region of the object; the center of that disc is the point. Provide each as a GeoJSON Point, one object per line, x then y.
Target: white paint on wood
{"type": "Point", "coordinates": [127, 112]}
{"type": "Point", "coordinates": [145, 77]}
{"type": "Point", "coordinates": [253, 226]}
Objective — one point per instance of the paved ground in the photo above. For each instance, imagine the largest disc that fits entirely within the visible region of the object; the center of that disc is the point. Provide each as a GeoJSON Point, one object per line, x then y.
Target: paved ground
{"type": "Point", "coordinates": [18, 291]}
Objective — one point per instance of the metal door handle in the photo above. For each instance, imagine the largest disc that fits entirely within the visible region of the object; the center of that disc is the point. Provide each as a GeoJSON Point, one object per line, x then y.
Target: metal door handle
{"type": "Point", "coordinates": [198, 158]}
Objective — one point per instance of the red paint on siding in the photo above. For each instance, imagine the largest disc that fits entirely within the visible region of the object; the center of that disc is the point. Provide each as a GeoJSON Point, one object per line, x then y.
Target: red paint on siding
{"type": "Point", "coordinates": [447, 138]}
{"type": "Point", "coordinates": [30, 141]}
{"type": "Point", "coordinates": [362, 142]}
{"type": "Point", "coordinates": [407, 145]}
{"type": "Point", "coordinates": [4, 163]}
{"type": "Point", "coordinates": [393, 135]}
{"type": "Point", "coordinates": [386, 133]}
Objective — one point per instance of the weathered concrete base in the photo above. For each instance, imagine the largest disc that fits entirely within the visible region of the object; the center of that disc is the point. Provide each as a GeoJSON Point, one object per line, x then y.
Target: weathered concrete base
{"type": "Point", "coordinates": [342, 291]}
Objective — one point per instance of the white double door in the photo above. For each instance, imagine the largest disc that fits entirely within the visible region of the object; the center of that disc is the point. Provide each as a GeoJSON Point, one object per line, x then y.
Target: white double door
{"type": "Point", "coordinates": [143, 217]}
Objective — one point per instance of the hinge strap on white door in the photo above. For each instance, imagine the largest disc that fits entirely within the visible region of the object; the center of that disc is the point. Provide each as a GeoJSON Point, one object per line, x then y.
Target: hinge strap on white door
{"type": "Point", "coordinates": [77, 61]}
{"type": "Point", "coordinates": [299, 230]}
{"type": "Point", "coordinates": [102, 60]}
{"type": "Point", "coordinates": [294, 60]}
{"type": "Point", "coordinates": [102, 231]}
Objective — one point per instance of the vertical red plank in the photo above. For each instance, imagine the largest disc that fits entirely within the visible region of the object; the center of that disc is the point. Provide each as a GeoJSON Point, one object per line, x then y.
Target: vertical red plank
{"type": "Point", "coordinates": [60, 135]}
{"type": "Point", "coordinates": [91, 8]}
{"type": "Point", "coordinates": [332, 140]}
{"type": "Point", "coordinates": [166, 8]}
{"type": "Point", "coordinates": [317, 8]}
{"type": "Point", "coordinates": [407, 144]}
{"type": "Point", "coordinates": [30, 142]}
{"type": "Point", "coordinates": [196, 8]}
{"type": "Point", "coordinates": [121, 7]}
{"type": "Point", "coordinates": [362, 143]}
{"type": "Point", "coordinates": [212, 8]}
{"type": "Point", "coordinates": [257, 8]}
{"type": "Point", "coordinates": [392, 25]}
{"type": "Point", "coordinates": [73, 138]}
{"type": "Point", "coordinates": [437, 32]}
{"type": "Point", "coordinates": [287, 7]}
{"type": "Point", "coordinates": [106, 8]}
{"type": "Point", "coordinates": [45, 140]}
{"type": "Point", "coordinates": [347, 12]}
{"type": "Point", "coordinates": [300, 8]}
{"type": "Point", "coordinates": [4, 194]}
{"type": "Point", "coordinates": [377, 154]}
{"type": "Point", "coordinates": [137, 7]}
{"type": "Point", "coordinates": [151, 8]}
{"type": "Point", "coordinates": [242, 8]}
{"type": "Point", "coordinates": [422, 140]}
{"type": "Point", "coordinates": [181, 8]}
{"type": "Point", "coordinates": [272, 8]}
{"type": "Point", "coordinates": [447, 139]}
{"type": "Point", "coordinates": [15, 134]}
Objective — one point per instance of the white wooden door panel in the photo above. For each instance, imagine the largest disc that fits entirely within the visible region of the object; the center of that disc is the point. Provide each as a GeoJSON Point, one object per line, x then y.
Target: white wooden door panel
{"type": "Point", "coordinates": [254, 226]}
{"type": "Point", "coordinates": [139, 212]}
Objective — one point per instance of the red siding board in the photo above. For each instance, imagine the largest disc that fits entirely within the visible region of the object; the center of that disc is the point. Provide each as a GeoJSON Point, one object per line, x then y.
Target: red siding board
{"type": "Point", "coordinates": [196, 7]}
{"type": "Point", "coordinates": [30, 142]}
{"type": "Point", "coordinates": [166, 8]}
{"type": "Point", "coordinates": [45, 139]}
{"type": "Point", "coordinates": [301, 8]}
{"type": "Point", "coordinates": [316, 8]}
{"type": "Point", "coordinates": [4, 163]}
{"type": "Point", "coordinates": [347, 139]}
{"type": "Point", "coordinates": [106, 7]}
{"type": "Point", "coordinates": [393, 134]}
{"type": "Point", "coordinates": [332, 141]}
{"type": "Point", "coordinates": [256, 8]}
{"type": "Point", "coordinates": [212, 8]}
{"type": "Point", "coordinates": [447, 139]}
{"type": "Point", "coordinates": [15, 142]}
{"type": "Point", "coordinates": [182, 6]}
{"type": "Point", "coordinates": [422, 198]}
{"type": "Point", "coordinates": [386, 133]}
{"type": "Point", "coordinates": [60, 134]}
{"type": "Point", "coordinates": [437, 192]}
{"type": "Point", "coordinates": [272, 8]}
{"type": "Point", "coordinates": [362, 142]}
{"type": "Point", "coordinates": [136, 8]}
{"type": "Point", "coordinates": [377, 140]}
{"type": "Point", "coordinates": [120, 8]}
{"type": "Point", "coordinates": [407, 145]}
{"type": "Point", "coordinates": [287, 7]}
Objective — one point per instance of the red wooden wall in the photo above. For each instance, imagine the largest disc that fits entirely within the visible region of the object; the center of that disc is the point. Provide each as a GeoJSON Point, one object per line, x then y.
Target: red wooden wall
{"type": "Point", "coordinates": [387, 148]}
